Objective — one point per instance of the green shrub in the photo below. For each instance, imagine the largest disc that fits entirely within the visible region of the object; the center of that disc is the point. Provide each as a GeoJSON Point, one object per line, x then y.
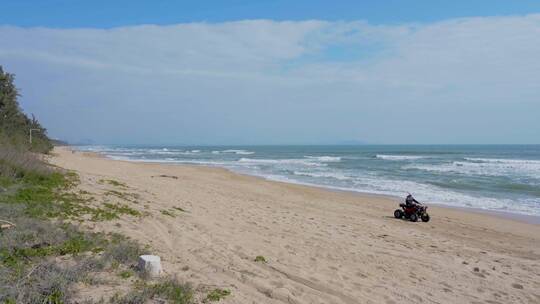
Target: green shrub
{"type": "Point", "coordinates": [26, 252]}
{"type": "Point", "coordinates": [169, 289]}
{"type": "Point", "coordinates": [122, 209]}
{"type": "Point", "coordinates": [174, 291]}
{"type": "Point", "coordinates": [123, 250]}
{"type": "Point", "coordinates": [126, 274]}
{"type": "Point", "coordinates": [48, 196]}
{"type": "Point", "coordinates": [217, 294]}
{"type": "Point", "coordinates": [260, 258]}
{"type": "Point", "coordinates": [17, 163]}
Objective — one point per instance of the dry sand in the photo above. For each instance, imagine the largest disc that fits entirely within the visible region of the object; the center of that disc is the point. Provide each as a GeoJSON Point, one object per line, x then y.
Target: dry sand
{"type": "Point", "coordinates": [321, 246]}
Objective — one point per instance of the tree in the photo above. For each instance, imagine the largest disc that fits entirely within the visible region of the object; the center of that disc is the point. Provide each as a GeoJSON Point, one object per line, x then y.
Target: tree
{"type": "Point", "coordinates": [14, 123]}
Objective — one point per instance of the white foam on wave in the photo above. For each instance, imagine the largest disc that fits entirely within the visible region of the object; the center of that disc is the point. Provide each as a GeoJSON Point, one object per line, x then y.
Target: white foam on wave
{"type": "Point", "coordinates": [161, 152]}
{"type": "Point", "coordinates": [240, 152]}
{"type": "Point", "coordinates": [131, 153]}
{"type": "Point", "coordinates": [334, 175]}
{"type": "Point", "coordinates": [293, 161]}
{"type": "Point", "coordinates": [424, 192]}
{"type": "Point", "coordinates": [433, 194]}
{"type": "Point", "coordinates": [375, 184]}
{"type": "Point", "coordinates": [398, 157]}
{"type": "Point", "coordinates": [326, 159]}
{"type": "Point", "coordinates": [169, 161]}
{"type": "Point", "coordinates": [486, 167]}
{"type": "Point", "coordinates": [509, 161]}
{"type": "Point", "coordinates": [233, 151]}
{"type": "Point", "coordinates": [140, 151]}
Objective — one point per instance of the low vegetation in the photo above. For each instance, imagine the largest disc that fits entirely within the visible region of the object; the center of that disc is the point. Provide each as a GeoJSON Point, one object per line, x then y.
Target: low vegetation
{"type": "Point", "coordinates": [179, 209]}
{"type": "Point", "coordinates": [172, 212]}
{"type": "Point", "coordinates": [30, 255]}
{"type": "Point", "coordinates": [168, 213]}
{"type": "Point", "coordinates": [113, 182]}
{"type": "Point", "coordinates": [260, 259]}
{"type": "Point", "coordinates": [43, 252]}
{"type": "Point", "coordinates": [126, 274]}
{"type": "Point", "coordinates": [15, 163]}
{"type": "Point", "coordinates": [48, 195]}
{"type": "Point", "coordinates": [169, 289]}
{"type": "Point", "coordinates": [217, 294]}
{"type": "Point", "coordinates": [131, 197]}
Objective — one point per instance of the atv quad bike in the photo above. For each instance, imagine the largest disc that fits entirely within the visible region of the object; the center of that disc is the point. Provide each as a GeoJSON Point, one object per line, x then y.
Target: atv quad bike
{"type": "Point", "coordinates": [412, 212]}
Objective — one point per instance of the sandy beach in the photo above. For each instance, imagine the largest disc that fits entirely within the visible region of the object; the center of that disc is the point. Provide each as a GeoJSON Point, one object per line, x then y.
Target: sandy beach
{"type": "Point", "coordinates": [209, 224]}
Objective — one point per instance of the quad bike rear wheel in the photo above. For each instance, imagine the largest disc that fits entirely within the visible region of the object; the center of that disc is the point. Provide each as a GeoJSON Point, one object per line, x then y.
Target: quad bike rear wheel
{"type": "Point", "coordinates": [425, 217]}
{"type": "Point", "coordinates": [413, 217]}
{"type": "Point", "coordinates": [398, 213]}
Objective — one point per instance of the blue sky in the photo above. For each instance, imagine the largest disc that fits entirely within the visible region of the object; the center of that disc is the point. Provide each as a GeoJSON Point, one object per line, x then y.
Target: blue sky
{"type": "Point", "coordinates": [277, 72]}
{"type": "Point", "coordinates": [107, 14]}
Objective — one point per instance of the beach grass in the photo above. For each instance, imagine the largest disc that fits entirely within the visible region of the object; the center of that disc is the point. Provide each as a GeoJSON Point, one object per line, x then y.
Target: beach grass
{"type": "Point", "coordinates": [217, 295]}
{"type": "Point", "coordinates": [113, 182]}
{"type": "Point", "coordinates": [169, 289]}
{"type": "Point", "coordinates": [30, 271]}
{"type": "Point", "coordinates": [42, 203]}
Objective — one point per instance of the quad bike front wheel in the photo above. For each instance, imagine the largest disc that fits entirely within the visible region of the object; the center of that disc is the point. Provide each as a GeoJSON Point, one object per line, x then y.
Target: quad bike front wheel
{"type": "Point", "coordinates": [425, 217]}
{"type": "Point", "coordinates": [413, 217]}
{"type": "Point", "coordinates": [398, 213]}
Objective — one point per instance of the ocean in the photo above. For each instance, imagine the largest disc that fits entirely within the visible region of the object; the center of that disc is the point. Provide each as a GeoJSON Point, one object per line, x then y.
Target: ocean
{"type": "Point", "coordinates": [492, 177]}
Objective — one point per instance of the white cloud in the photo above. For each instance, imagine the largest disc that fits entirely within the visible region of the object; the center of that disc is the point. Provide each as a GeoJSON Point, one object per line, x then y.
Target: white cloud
{"type": "Point", "coordinates": [463, 80]}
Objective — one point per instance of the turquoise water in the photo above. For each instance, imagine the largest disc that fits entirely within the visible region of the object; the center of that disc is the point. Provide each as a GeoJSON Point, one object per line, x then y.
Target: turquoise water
{"type": "Point", "coordinates": [501, 178]}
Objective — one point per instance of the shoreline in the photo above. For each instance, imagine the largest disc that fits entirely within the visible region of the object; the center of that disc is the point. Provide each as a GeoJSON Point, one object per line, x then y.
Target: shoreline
{"type": "Point", "coordinates": [208, 225]}
{"type": "Point", "coordinates": [524, 218]}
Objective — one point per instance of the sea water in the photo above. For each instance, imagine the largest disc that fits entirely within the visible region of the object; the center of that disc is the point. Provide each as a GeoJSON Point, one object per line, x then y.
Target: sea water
{"type": "Point", "coordinates": [492, 177]}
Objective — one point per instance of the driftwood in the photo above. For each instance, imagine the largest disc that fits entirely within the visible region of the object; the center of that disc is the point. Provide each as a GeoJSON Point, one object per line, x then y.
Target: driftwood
{"type": "Point", "coordinates": [6, 224]}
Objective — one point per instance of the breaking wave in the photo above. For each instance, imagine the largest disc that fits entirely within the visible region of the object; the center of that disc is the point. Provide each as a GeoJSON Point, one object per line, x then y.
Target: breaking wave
{"type": "Point", "coordinates": [326, 159]}
{"type": "Point", "coordinates": [399, 157]}
{"type": "Point", "coordinates": [486, 167]}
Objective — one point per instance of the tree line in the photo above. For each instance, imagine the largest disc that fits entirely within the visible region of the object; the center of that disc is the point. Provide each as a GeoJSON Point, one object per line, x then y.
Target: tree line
{"type": "Point", "coordinates": [15, 125]}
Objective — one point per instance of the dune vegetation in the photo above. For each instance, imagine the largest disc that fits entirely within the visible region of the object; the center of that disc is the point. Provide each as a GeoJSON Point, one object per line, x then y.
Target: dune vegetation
{"type": "Point", "coordinates": [44, 254]}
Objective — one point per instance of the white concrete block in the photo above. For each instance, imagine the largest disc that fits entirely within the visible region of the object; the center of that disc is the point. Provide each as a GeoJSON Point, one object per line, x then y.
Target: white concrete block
{"type": "Point", "coordinates": [151, 264]}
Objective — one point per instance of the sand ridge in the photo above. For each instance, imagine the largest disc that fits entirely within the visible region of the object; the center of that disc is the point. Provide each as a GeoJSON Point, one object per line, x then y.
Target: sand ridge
{"type": "Point", "coordinates": [321, 246]}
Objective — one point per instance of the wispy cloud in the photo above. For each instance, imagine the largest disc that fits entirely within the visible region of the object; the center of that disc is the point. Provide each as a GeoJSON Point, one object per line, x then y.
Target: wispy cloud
{"type": "Point", "coordinates": [460, 80]}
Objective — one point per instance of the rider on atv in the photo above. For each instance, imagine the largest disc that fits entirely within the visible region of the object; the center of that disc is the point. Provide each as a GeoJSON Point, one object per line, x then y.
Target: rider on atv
{"type": "Point", "coordinates": [412, 210]}
{"type": "Point", "coordinates": [410, 201]}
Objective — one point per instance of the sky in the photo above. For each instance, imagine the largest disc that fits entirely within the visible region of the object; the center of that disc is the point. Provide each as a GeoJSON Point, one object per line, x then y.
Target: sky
{"type": "Point", "coordinates": [277, 72]}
